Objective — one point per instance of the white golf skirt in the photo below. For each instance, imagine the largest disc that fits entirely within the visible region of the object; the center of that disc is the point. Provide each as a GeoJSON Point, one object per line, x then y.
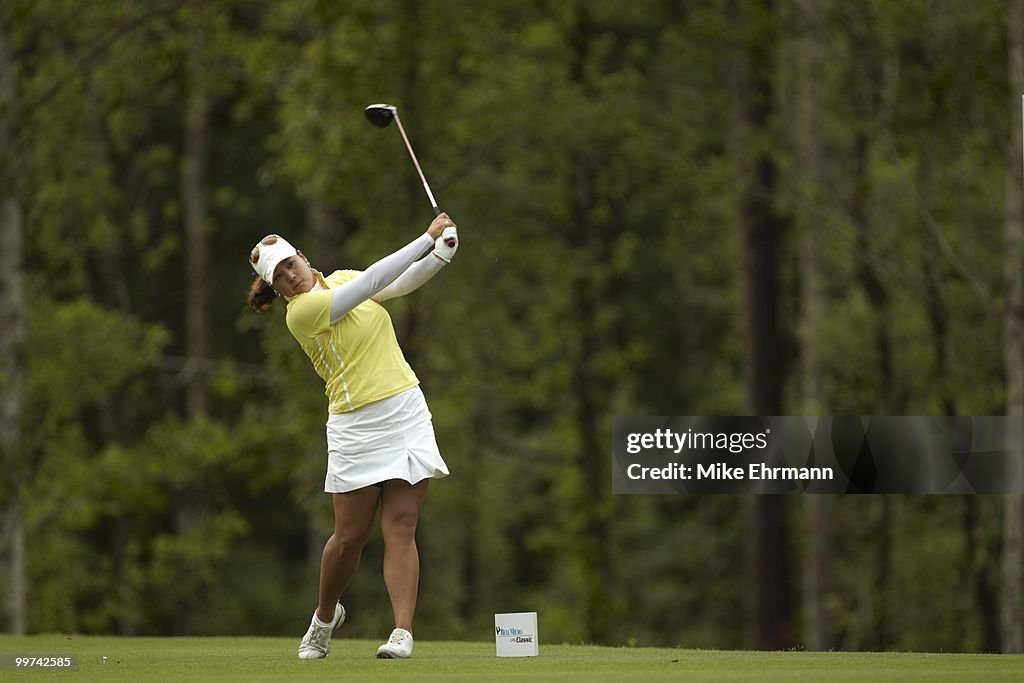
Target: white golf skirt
{"type": "Point", "coordinates": [388, 439]}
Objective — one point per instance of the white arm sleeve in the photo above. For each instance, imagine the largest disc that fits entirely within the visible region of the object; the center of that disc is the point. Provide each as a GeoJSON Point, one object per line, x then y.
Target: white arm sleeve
{"type": "Point", "coordinates": [375, 278]}
{"type": "Point", "coordinates": [412, 279]}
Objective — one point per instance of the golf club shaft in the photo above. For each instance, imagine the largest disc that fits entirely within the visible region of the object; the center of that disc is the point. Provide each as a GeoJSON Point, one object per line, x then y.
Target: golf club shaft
{"type": "Point", "coordinates": [430, 195]}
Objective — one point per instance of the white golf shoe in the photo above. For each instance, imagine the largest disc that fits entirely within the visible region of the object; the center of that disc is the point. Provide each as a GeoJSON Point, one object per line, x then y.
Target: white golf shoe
{"type": "Point", "coordinates": [316, 644]}
{"type": "Point", "coordinates": [399, 646]}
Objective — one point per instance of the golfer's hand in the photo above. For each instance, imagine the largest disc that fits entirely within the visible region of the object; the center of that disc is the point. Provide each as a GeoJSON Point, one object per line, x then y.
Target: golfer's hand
{"type": "Point", "coordinates": [446, 245]}
{"type": "Point", "coordinates": [438, 226]}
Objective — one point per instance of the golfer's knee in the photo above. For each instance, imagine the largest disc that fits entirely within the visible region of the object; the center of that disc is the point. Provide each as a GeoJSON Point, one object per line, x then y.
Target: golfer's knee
{"type": "Point", "coordinates": [400, 525]}
{"type": "Point", "coordinates": [347, 539]}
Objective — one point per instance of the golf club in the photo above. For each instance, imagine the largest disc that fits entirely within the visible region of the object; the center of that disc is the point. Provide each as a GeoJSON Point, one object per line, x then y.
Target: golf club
{"type": "Point", "coordinates": [381, 115]}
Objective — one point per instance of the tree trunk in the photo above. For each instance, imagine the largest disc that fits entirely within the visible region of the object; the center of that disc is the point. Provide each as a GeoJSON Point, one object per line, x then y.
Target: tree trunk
{"type": "Point", "coordinates": [935, 297]}
{"type": "Point", "coordinates": [873, 97]}
{"type": "Point", "coordinates": [1013, 557]}
{"type": "Point", "coordinates": [809, 214]}
{"type": "Point", "coordinates": [770, 575]}
{"type": "Point", "coordinates": [197, 257]}
{"type": "Point", "coordinates": [12, 323]}
{"type": "Point", "coordinates": [112, 286]}
{"type": "Point", "coordinates": [881, 512]}
{"type": "Point", "coordinates": [1013, 349]}
{"type": "Point", "coordinates": [870, 279]}
{"type": "Point", "coordinates": [189, 500]}
{"type": "Point", "coordinates": [597, 560]}
{"type": "Point", "coordinates": [979, 574]}
{"type": "Point", "coordinates": [590, 382]}
{"type": "Point", "coordinates": [327, 235]}
{"type": "Point", "coordinates": [873, 102]}
{"type": "Point", "coordinates": [12, 550]}
{"type": "Point", "coordinates": [816, 509]}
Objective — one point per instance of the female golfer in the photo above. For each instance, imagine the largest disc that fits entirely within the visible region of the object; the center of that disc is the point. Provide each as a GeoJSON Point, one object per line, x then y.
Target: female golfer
{"type": "Point", "coordinates": [381, 450]}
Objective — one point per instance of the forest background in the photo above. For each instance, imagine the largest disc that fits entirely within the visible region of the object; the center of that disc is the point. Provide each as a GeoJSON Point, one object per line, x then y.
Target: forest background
{"type": "Point", "coordinates": [766, 207]}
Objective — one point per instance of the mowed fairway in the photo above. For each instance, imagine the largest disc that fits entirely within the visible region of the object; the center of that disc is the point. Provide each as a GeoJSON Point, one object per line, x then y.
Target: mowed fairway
{"type": "Point", "coordinates": [273, 659]}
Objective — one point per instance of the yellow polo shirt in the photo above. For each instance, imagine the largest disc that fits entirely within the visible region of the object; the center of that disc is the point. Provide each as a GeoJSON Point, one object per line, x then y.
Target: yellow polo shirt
{"type": "Point", "coordinates": [358, 357]}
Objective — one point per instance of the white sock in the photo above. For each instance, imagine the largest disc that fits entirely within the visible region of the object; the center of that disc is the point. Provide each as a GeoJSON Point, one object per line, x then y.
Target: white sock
{"type": "Point", "coordinates": [316, 620]}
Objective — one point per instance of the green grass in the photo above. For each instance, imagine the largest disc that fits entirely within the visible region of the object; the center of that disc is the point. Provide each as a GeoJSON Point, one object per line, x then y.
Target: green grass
{"type": "Point", "coordinates": [273, 659]}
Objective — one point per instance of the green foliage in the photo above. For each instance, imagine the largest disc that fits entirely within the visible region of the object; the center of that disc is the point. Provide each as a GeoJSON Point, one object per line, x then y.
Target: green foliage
{"type": "Point", "coordinates": [86, 353]}
{"type": "Point", "coordinates": [589, 153]}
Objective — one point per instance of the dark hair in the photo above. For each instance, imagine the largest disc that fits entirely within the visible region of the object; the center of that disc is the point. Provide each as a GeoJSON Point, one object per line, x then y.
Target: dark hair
{"type": "Point", "coordinates": [261, 295]}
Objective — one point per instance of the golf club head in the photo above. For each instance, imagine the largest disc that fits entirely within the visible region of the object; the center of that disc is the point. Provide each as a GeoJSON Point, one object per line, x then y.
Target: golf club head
{"type": "Point", "coordinates": [380, 115]}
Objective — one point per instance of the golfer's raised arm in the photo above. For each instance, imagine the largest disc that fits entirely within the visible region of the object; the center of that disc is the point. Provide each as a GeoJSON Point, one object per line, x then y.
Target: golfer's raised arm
{"type": "Point", "coordinates": [419, 273]}
{"type": "Point", "coordinates": [382, 273]}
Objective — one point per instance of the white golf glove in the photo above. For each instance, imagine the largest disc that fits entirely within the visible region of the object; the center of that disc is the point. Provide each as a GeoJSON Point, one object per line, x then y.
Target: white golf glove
{"type": "Point", "coordinates": [441, 248]}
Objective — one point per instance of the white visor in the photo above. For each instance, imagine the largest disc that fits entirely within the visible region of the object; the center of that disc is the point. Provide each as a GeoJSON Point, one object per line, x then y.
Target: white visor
{"type": "Point", "coordinates": [271, 255]}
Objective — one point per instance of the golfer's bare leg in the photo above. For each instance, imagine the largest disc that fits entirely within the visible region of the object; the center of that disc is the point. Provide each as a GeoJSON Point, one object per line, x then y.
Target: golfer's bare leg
{"type": "Point", "coordinates": [399, 514]}
{"type": "Point", "coordinates": [353, 523]}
